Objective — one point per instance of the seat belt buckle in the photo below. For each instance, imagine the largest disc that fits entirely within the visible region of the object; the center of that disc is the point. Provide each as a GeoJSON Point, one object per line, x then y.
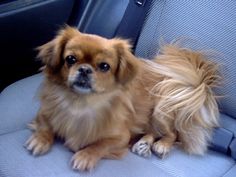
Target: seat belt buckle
{"type": "Point", "coordinates": [140, 2]}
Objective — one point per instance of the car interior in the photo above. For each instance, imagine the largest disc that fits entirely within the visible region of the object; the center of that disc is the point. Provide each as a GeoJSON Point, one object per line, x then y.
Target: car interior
{"type": "Point", "coordinates": [26, 24]}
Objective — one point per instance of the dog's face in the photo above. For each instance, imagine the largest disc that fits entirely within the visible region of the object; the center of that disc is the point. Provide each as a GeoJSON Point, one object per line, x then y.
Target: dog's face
{"type": "Point", "coordinates": [88, 63]}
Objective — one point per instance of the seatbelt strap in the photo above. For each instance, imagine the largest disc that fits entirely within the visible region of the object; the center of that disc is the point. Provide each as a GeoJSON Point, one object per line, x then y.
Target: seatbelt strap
{"type": "Point", "coordinates": [132, 22]}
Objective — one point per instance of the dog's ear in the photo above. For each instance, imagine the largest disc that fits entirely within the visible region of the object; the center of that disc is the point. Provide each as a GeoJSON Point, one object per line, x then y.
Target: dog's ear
{"type": "Point", "coordinates": [127, 64]}
{"type": "Point", "coordinates": [51, 53]}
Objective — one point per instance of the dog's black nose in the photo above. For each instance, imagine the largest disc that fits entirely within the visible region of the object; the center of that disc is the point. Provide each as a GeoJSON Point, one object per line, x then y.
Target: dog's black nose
{"type": "Point", "coordinates": [85, 70]}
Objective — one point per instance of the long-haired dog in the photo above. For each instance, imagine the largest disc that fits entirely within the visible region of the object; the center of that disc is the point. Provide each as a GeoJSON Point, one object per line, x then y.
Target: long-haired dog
{"type": "Point", "coordinates": [97, 96]}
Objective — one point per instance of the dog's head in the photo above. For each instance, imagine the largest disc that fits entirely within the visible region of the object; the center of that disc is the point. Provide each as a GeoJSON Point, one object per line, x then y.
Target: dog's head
{"type": "Point", "coordinates": [87, 63]}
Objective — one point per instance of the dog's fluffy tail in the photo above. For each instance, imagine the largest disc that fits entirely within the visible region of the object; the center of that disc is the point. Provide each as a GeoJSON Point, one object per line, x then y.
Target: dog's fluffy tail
{"type": "Point", "coordinates": [187, 92]}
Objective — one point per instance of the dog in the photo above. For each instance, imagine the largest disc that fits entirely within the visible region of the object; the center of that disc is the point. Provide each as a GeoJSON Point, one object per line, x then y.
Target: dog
{"type": "Point", "coordinates": [97, 96]}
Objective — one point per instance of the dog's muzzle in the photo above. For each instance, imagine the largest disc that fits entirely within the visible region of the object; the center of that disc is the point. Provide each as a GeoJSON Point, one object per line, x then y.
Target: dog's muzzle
{"type": "Point", "coordinates": [83, 81]}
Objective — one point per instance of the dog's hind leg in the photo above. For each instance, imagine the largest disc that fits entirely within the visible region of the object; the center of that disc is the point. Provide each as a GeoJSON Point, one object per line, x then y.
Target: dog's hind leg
{"type": "Point", "coordinates": [164, 125]}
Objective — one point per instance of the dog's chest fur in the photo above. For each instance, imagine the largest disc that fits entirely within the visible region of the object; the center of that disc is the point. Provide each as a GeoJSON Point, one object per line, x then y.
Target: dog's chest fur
{"type": "Point", "coordinates": [74, 123]}
{"type": "Point", "coordinates": [78, 121]}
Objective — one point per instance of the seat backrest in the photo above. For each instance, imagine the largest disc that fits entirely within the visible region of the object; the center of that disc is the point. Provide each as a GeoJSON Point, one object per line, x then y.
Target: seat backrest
{"type": "Point", "coordinates": [212, 24]}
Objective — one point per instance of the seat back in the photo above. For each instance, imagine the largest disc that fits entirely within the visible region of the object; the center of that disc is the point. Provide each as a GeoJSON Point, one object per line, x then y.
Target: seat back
{"type": "Point", "coordinates": [212, 24]}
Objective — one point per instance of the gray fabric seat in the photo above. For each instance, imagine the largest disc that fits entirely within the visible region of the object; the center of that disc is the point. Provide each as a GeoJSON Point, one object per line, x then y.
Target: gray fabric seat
{"type": "Point", "coordinates": [202, 25]}
{"type": "Point", "coordinates": [212, 23]}
{"type": "Point", "coordinates": [18, 104]}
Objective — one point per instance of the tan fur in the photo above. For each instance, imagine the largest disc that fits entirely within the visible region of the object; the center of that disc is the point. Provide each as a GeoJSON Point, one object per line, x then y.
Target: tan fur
{"type": "Point", "coordinates": [186, 93]}
{"type": "Point", "coordinates": [169, 97]}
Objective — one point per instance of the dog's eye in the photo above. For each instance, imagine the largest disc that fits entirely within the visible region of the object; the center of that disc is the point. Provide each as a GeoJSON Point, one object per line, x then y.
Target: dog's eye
{"type": "Point", "coordinates": [104, 67]}
{"type": "Point", "coordinates": [70, 59]}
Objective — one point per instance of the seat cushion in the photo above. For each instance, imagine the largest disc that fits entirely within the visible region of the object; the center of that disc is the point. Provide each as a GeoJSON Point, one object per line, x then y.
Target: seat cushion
{"type": "Point", "coordinates": [15, 160]}
{"type": "Point", "coordinates": [19, 104]}
{"type": "Point", "coordinates": [231, 172]}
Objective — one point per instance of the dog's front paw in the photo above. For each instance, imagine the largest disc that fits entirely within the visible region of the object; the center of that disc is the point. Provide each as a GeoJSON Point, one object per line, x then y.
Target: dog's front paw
{"type": "Point", "coordinates": [84, 160]}
{"type": "Point", "coordinates": [142, 148]}
{"type": "Point", "coordinates": [38, 144]}
{"type": "Point", "coordinates": [161, 149]}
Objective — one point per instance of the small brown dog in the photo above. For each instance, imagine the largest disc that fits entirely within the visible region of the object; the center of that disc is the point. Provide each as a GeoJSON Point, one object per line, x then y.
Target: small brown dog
{"type": "Point", "coordinates": [97, 96]}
